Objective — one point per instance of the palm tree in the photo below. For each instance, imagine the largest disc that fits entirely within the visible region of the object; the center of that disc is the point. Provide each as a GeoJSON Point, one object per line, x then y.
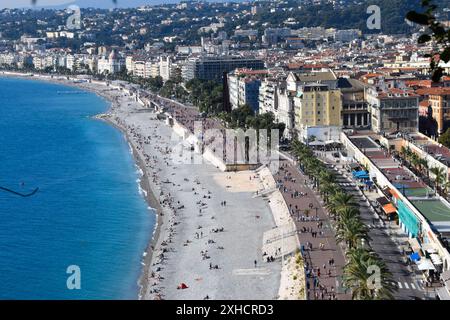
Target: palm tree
{"type": "Point", "coordinates": [342, 200]}
{"type": "Point", "coordinates": [326, 180]}
{"type": "Point", "coordinates": [347, 214]}
{"type": "Point", "coordinates": [360, 278]}
{"type": "Point", "coordinates": [425, 167]}
{"type": "Point", "coordinates": [414, 160]}
{"type": "Point", "coordinates": [351, 231]}
{"type": "Point", "coordinates": [403, 153]}
{"type": "Point", "coordinates": [439, 176]}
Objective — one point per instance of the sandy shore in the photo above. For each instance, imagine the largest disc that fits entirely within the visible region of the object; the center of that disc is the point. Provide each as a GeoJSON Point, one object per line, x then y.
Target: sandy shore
{"type": "Point", "coordinates": [195, 231]}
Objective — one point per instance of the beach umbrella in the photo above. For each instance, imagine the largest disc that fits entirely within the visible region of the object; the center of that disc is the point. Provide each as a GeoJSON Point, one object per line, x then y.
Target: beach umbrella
{"type": "Point", "coordinates": [182, 286]}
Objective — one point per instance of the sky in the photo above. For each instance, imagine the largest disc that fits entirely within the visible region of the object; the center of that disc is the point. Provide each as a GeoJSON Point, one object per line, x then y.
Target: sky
{"type": "Point", "coordinates": [81, 3]}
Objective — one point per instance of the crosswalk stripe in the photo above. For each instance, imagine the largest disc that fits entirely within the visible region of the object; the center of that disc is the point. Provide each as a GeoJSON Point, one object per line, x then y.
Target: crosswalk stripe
{"type": "Point", "coordinates": [406, 285]}
{"type": "Point", "coordinates": [413, 286]}
{"type": "Point", "coordinates": [400, 285]}
{"type": "Point", "coordinates": [419, 285]}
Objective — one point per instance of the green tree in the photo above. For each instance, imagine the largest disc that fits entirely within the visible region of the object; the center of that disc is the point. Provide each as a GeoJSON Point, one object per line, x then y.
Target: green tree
{"type": "Point", "coordinates": [437, 33]}
{"type": "Point", "coordinates": [367, 276]}
{"type": "Point", "coordinates": [445, 138]}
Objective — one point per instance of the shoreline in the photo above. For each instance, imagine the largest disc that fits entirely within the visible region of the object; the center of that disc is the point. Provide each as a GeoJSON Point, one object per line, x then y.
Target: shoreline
{"type": "Point", "coordinates": [144, 180]}
{"type": "Point", "coordinates": [152, 202]}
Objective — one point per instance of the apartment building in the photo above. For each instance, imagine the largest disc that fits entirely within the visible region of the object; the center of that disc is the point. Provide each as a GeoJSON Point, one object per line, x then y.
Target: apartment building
{"type": "Point", "coordinates": [393, 109]}
{"type": "Point", "coordinates": [355, 113]}
{"type": "Point", "coordinates": [317, 105]}
{"type": "Point", "coordinates": [439, 101]}
{"type": "Point", "coordinates": [243, 86]}
{"type": "Point", "coordinates": [275, 98]}
{"type": "Point", "coordinates": [213, 67]}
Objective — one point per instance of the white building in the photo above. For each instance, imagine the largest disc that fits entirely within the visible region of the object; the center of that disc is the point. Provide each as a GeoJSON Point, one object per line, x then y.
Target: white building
{"type": "Point", "coordinates": [112, 64]}
{"type": "Point", "coordinates": [275, 98]}
{"type": "Point", "coordinates": [347, 35]}
{"type": "Point", "coordinates": [165, 68]}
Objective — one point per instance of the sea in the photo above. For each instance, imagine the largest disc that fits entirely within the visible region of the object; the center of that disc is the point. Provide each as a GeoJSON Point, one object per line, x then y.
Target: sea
{"type": "Point", "coordinates": [82, 235]}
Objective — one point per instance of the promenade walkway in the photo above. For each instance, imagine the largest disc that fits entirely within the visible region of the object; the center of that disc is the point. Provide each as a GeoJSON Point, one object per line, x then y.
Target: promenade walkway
{"type": "Point", "coordinates": [325, 260]}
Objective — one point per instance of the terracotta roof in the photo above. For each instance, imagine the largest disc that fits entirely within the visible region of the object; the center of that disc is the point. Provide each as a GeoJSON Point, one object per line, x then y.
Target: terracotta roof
{"type": "Point", "coordinates": [395, 92]}
{"type": "Point", "coordinates": [433, 91]}
{"type": "Point", "coordinates": [418, 83]}
{"type": "Point", "coordinates": [424, 103]}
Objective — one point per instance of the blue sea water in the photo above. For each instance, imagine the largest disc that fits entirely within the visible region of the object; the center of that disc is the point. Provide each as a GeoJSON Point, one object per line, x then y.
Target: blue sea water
{"type": "Point", "coordinates": [88, 211]}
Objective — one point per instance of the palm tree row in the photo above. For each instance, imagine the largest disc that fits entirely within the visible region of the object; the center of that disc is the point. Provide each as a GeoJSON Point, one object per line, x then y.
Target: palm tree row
{"type": "Point", "coordinates": [440, 180]}
{"type": "Point", "coordinates": [419, 164]}
{"type": "Point", "coordinates": [359, 274]}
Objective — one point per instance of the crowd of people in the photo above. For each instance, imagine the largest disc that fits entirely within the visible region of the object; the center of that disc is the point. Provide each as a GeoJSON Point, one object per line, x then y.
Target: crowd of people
{"type": "Point", "coordinates": [311, 227]}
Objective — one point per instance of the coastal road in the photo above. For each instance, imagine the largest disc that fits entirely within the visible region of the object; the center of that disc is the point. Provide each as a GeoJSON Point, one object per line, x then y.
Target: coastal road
{"type": "Point", "coordinates": [387, 240]}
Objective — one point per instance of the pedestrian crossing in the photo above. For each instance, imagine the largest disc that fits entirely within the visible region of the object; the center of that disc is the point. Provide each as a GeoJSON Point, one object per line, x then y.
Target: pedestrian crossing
{"type": "Point", "coordinates": [415, 285]}
{"type": "Point", "coordinates": [346, 184]}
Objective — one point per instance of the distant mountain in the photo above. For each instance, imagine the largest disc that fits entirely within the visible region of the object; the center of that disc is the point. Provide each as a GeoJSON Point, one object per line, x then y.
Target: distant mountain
{"type": "Point", "coordinates": [103, 4]}
{"type": "Point", "coordinates": [107, 4]}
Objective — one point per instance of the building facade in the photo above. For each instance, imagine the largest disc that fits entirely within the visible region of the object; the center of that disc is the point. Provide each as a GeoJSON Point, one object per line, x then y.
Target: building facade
{"type": "Point", "coordinates": [213, 68]}
{"type": "Point", "coordinates": [439, 101]}
{"type": "Point", "coordinates": [393, 110]}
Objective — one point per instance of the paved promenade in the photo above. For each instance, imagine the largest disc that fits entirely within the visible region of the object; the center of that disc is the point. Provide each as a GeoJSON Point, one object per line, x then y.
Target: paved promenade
{"type": "Point", "coordinates": [325, 260]}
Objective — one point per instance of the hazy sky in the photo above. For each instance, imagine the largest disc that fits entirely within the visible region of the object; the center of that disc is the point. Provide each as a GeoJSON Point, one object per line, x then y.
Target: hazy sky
{"type": "Point", "coordinates": [81, 3]}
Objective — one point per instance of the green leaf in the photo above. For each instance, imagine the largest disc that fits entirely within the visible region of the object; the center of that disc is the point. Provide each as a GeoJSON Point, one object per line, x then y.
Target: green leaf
{"type": "Point", "coordinates": [437, 74]}
{"type": "Point", "coordinates": [445, 55]}
{"type": "Point", "coordinates": [424, 38]}
{"type": "Point", "coordinates": [418, 18]}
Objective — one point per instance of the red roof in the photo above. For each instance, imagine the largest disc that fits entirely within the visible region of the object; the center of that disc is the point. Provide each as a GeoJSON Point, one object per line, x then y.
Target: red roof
{"type": "Point", "coordinates": [419, 83]}
{"type": "Point", "coordinates": [433, 91]}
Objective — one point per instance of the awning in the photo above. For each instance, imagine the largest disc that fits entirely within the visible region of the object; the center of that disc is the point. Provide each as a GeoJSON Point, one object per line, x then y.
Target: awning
{"type": "Point", "coordinates": [316, 143]}
{"type": "Point", "coordinates": [394, 193]}
{"type": "Point", "coordinates": [414, 256]}
{"type": "Point", "coordinates": [382, 201]}
{"type": "Point", "coordinates": [436, 259]}
{"type": "Point", "coordinates": [429, 247]}
{"type": "Point", "coordinates": [389, 208]}
{"type": "Point", "coordinates": [425, 264]}
{"type": "Point", "coordinates": [415, 246]}
{"type": "Point", "coordinates": [360, 173]}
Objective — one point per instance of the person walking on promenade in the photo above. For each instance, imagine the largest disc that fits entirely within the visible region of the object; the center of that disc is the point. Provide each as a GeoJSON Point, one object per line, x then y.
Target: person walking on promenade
{"type": "Point", "coordinates": [256, 263]}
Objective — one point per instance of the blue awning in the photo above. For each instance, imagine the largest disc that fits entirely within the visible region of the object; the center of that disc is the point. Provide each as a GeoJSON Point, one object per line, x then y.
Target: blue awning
{"type": "Point", "coordinates": [414, 256]}
{"type": "Point", "coordinates": [360, 173]}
